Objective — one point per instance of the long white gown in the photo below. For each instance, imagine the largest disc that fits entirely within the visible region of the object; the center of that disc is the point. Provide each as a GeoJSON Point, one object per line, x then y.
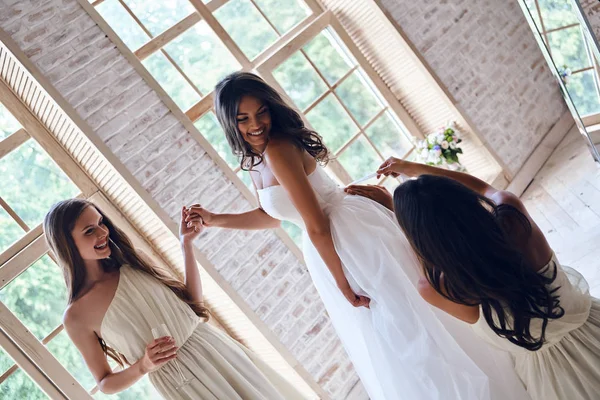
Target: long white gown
{"type": "Point", "coordinates": [399, 347]}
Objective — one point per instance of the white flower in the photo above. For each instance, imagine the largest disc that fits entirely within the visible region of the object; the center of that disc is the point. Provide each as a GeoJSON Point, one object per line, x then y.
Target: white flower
{"type": "Point", "coordinates": [440, 138]}
{"type": "Point", "coordinates": [452, 145]}
{"type": "Point", "coordinates": [432, 138]}
{"type": "Point", "coordinates": [424, 153]}
{"type": "Point", "coordinates": [444, 145]}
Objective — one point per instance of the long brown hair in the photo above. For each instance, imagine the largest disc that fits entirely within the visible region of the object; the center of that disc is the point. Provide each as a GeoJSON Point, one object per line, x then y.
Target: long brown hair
{"type": "Point", "coordinates": [469, 257]}
{"type": "Point", "coordinates": [286, 122]}
{"type": "Point", "coordinates": [58, 225]}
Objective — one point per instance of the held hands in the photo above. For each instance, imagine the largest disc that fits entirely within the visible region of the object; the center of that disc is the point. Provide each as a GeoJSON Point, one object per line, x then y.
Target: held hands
{"type": "Point", "coordinates": [159, 352]}
{"type": "Point", "coordinates": [190, 225]}
{"type": "Point", "coordinates": [376, 193]}
{"type": "Point", "coordinates": [353, 298]}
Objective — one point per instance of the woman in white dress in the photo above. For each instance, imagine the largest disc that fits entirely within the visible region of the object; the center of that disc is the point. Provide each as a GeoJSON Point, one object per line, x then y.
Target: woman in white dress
{"type": "Point", "coordinates": [360, 262]}
{"type": "Point", "coordinates": [487, 263]}
{"type": "Point", "coordinates": [117, 298]}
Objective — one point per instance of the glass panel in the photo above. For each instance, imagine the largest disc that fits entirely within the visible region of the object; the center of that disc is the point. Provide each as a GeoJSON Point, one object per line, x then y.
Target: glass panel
{"type": "Point", "coordinates": [359, 98]}
{"type": "Point", "coordinates": [300, 80]}
{"type": "Point", "coordinates": [360, 159]}
{"type": "Point", "coordinates": [245, 177]}
{"type": "Point", "coordinates": [534, 13]}
{"type": "Point", "coordinates": [202, 56]}
{"type": "Point", "coordinates": [11, 231]}
{"type": "Point", "coordinates": [391, 184]}
{"type": "Point", "coordinates": [237, 16]}
{"type": "Point", "coordinates": [8, 123]}
{"type": "Point", "coordinates": [584, 93]}
{"type": "Point", "coordinates": [210, 128]}
{"type": "Point", "coordinates": [38, 297]}
{"type": "Point", "coordinates": [294, 231]}
{"type": "Point", "coordinates": [31, 182]}
{"type": "Point", "coordinates": [568, 48]}
{"type": "Point", "coordinates": [332, 122]}
{"type": "Point", "coordinates": [143, 389]}
{"type": "Point", "coordinates": [20, 386]}
{"type": "Point", "coordinates": [329, 58]}
{"type": "Point", "coordinates": [5, 361]}
{"type": "Point", "coordinates": [283, 14]}
{"type": "Point", "coordinates": [171, 80]}
{"type": "Point", "coordinates": [158, 16]}
{"type": "Point", "coordinates": [388, 137]}
{"type": "Point", "coordinates": [123, 24]}
{"type": "Point", "coordinates": [557, 13]}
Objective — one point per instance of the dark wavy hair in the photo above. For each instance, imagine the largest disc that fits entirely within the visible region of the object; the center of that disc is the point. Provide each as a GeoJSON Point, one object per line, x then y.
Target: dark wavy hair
{"type": "Point", "coordinates": [58, 225]}
{"type": "Point", "coordinates": [468, 255]}
{"type": "Point", "coordinates": [285, 121]}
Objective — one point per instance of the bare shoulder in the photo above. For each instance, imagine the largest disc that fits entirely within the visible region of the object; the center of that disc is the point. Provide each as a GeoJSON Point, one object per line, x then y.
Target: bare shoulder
{"type": "Point", "coordinates": [280, 149]}
{"type": "Point", "coordinates": [504, 197]}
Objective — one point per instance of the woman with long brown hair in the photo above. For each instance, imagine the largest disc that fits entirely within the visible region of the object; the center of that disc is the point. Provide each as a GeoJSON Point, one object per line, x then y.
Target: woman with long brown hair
{"type": "Point", "coordinates": [123, 307]}
{"type": "Point", "coordinates": [487, 263]}
{"type": "Point", "coordinates": [360, 262]}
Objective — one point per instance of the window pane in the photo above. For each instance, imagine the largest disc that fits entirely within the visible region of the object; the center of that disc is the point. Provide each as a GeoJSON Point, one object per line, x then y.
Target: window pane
{"type": "Point", "coordinates": [210, 128]}
{"type": "Point", "coordinates": [202, 56]}
{"type": "Point", "coordinates": [568, 48]}
{"type": "Point", "coordinates": [142, 390]}
{"type": "Point", "coordinates": [388, 137]}
{"type": "Point", "coordinates": [65, 351]}
{"type": "Point", "coordinates": [360, 159]}
{"type": "Point", "coordinates": [123, 24]}
{"type": "Point", "coordinates": [300, 80]}
{"type": "Point", "coordinates": [171, 80]}
{"type": "Point", "coordinates": [557, 13]}
{"type": "Point", "coordinates": [332, 122]}
{"type": "Point", "coordinates": [8, 123]}
{"type": "Point", "coordinates": [359, 98]}
{"type": "Point", "coordinates": [11, 231]}
{"type": "Point", "coordinates": [245, 177]}
{"type": "Point", "coordinates": [246, 26]}
{"type": "Point", "coordinates": [534, 13]}
{"type": "Point", "coordinates": [294, 231]}
{"type": "Point", "coordinates": [391, 184]}
{"type": "Point", "coordinates": [158, 16]}
{"type": "Point", "coordinates": [31, 182]}
{"type": "Point", "coordinates": [583, 92]}
{"type": "Point", "coordinates": [283, 14]}
{"type": "Point", "coordinates": [20, 386]}
{"type": "Point", "coordinates": [5, 361]}
{"type": "Point", "coordinates": [329, 58]}
{"type": "Point", "coordinates": [38, 297]}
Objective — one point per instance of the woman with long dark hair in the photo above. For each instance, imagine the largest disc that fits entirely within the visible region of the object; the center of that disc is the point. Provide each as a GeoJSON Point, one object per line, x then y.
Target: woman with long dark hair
{"type": "Point", "coordinates": [123, 307]}
{"type": "Point", "coordinates": [486, 262]}
{"type": "Point", "coordinates": [360, 262]}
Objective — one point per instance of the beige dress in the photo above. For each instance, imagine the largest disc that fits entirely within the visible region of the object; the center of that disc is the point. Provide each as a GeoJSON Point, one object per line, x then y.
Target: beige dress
{"type": "Point", "coordinates": [567, 367]}
{"type": "Point", "coordinates": [219, 367]}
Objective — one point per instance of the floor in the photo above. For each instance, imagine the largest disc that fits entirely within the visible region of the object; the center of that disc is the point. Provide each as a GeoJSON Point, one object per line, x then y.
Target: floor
{"type": "Point", "coordinates": [564, 200]}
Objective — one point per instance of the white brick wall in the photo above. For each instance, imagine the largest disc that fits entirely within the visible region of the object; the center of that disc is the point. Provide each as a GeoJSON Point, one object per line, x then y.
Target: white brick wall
{"type": "Point", "coordinates": [591, 9]}
{"type": "Point", "coordinates": [485, 55]}
{"type": "Point", "coordinates": [65, 44]}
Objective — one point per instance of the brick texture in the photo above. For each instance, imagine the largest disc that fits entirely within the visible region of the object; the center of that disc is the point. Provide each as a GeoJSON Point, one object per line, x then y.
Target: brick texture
{"type": "Point", "coordinates": [485, 55]}
{"type": "Point", "coordinates": [591, 9]}
{"type": "Point", "coordinates": [66, 45]}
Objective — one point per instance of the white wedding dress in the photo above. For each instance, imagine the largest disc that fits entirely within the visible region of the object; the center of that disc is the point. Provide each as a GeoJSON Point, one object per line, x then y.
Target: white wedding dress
{"type": "Point", "coordinates": [401, 347]}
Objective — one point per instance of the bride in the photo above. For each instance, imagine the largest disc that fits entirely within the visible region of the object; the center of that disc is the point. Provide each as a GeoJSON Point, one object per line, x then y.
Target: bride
{"type": "Point", "coordinates": [359, 260]}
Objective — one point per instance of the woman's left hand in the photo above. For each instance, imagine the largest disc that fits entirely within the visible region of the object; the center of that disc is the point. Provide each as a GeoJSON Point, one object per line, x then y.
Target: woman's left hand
{"type": "Point", "coordinates": [190, 230]}
{"type": "Point", "coordinates": [376, 193]}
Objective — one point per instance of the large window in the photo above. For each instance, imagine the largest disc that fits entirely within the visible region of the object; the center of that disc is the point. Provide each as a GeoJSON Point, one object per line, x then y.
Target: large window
{"type": "Point", "coordinates": [294, 45]}
{"type": "Point", "coordinates": [33, 295]}
{"type": "Point", "coordinates": [558, 23]}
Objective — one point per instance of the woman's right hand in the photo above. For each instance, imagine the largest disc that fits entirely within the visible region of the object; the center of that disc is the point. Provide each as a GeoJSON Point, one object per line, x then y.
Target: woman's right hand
{"type": "Point", "coordinates": [159, 352]}
{"type": "Point", "coordinates": [353, 298]}
{"type": "Point", "coordinates": [195, 213]}
{"type": "Point", "coordinates": [394, 166]}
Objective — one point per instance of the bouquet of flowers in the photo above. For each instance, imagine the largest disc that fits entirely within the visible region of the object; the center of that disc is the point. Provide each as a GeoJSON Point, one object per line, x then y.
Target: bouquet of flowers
{"type": "Point", "coordinates": [440, 148]}
{"type": "Point", "coordinates": [564, 72]}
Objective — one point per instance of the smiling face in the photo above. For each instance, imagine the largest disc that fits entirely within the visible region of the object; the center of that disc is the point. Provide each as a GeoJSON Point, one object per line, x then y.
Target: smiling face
{"type": "Point", "coordinates": [91, 235]}
{"type": "Point", "coordinates": [254, 122]}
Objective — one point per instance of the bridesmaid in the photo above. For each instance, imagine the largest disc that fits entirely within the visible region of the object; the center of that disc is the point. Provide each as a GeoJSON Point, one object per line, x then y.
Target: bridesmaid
{"type": "Point", "coordinates": [487, 263]}
{"type": "Point", "coordinates": [118, 301]}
